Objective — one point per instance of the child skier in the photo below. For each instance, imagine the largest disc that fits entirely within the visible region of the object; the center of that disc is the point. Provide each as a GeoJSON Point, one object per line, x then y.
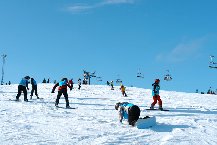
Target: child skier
{"type": "Point", "coordinates": [23, 85]}
{"type": "Point", "coordinates": [63, 84]}
{"type": "Point", "coordinates": [155, 94]}
{"type": "Point", "coordinates": [122, 88]}
{"type": "Point", "coordinates": [34, 88]}
{"type": "Point", "coordinates": [128, 111]}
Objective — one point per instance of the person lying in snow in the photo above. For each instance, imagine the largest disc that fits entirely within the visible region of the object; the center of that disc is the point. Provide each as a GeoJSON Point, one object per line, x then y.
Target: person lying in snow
{"type": "Point", "coordinates": [128, 111]}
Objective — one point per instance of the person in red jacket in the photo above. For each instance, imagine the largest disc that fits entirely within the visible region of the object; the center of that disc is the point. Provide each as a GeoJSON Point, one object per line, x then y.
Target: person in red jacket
{"type": "Point", "coordinates": [63, 84]}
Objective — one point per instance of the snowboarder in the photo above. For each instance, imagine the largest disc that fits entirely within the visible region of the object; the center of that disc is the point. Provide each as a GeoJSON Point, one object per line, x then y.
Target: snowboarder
{"type": "Point", "coordinates": [63, 84]}
{"type": "Point", "coordinates": [128, 111]}
{"type": "Point", "coordinates": [79, 84]}
{"type": "Point", "coordinates": [155, 94]}
{"type": "Point", "coordinates": [112, 85]}
{"type": "Point", "coordinates": [34, 88]}
{"type": "Point", "coordinates": [108, 84]}
{"type": "Point", "coordinates": [122, 88]}
{"type": "Point", "coordinates": [23, 85]}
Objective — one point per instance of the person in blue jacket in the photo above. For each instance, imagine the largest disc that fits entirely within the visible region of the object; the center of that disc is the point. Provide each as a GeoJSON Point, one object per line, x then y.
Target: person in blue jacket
{"type": "Point", "coordinates": [23, 85]}
{"type": "Point", "coordinates": [62, 90]}
{"type": "Point", "coordinates": [34, 88]}
{"type": "Point", "coordinates": [155, 94]}
{"type": "Point", "coordinates": [128, 111]}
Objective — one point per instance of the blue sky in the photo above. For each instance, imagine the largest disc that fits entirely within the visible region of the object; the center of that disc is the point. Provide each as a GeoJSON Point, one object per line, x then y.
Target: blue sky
{"type": "Point", "coordinates": [115, 38]}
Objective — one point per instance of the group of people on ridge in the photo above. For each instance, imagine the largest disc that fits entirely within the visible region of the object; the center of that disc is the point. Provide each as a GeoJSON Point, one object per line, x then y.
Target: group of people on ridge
{"type": "Point", "coordinates": [126, 110]}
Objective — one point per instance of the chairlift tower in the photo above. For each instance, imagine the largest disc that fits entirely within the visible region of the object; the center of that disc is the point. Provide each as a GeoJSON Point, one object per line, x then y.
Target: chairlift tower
{"type": "Point", "coordinates": [3, 63]}
{"type": "Point", "coordinates": [88, 75]}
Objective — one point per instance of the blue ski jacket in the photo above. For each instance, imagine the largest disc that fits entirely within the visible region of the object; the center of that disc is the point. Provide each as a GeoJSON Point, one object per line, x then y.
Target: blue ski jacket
{"type": "Point", "coordinates": [156, 89]}
{"type": "Point", "coordinates": [24, 82]}
{"type": "Point", "coordinates": [124, 109]}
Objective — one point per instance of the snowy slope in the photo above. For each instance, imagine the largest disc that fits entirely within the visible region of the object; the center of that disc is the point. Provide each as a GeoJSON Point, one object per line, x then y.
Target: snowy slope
{"type": "Point", "coordinates": [192, 118]}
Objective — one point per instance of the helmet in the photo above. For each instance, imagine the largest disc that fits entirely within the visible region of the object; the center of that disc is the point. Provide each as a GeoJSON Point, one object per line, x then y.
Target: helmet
{"type": "Point", "coordinates": [117, 105]}
{"type": "Point", "coordinates": [27, 77]}
{"type": "Point", "coordinates": [64, 79]}
{"type": "Point", "coordinates": [157, 80]}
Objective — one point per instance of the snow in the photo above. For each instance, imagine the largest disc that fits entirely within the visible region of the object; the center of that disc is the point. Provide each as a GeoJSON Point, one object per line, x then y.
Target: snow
{"type": "Point", "coordinates": [192, 118]}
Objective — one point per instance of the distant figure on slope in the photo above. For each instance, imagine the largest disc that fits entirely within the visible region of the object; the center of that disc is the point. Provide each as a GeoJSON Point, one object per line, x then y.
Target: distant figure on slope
{"type": "Point", "coordinates": [128, 111]}
{"type": "Point", "coordinates": [155, 94]}
{"type": "Point", "coordinates": [63, 84]}
{"type": "Point", "coordinates": [34, 88]}
{"type": "Point", "coordinates": [44, 80]}
{"type": "Point", "coordinates": [79, 84]}
{"type": "Point", "coordinates": [23, 85]}
{"type": "Point", "coordinates": [112, 85]}
{"type": "Point", "coordinates": [122, 88]}
{"type": "Point", "coordinates": [108, 84]}
{"type": "Point", "coordinates": [71, 83]}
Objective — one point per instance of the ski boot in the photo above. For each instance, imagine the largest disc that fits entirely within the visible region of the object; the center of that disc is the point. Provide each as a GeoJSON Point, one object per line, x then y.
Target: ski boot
{"type": "Point", "coordinates": [152, 107]}
{"type": "Point", "coordinates": [160, 108]}
{"type": "Point", "coordinates": [26, 100]}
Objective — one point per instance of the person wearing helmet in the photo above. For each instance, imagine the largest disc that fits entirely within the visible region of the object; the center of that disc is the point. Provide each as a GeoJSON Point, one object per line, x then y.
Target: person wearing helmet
{"type": "Point", "coordinates": [155, 94]}
{"type": "Point", "coordinates": [63, 84]}
{"type": "Point", "coordinates": [34, 88]}
{"type": "Point", "coordinates": [22, 87]}
{"type": "Point", "coordinates": [128, 111]}
{"type": "Point", "coordinates": [122, 88]}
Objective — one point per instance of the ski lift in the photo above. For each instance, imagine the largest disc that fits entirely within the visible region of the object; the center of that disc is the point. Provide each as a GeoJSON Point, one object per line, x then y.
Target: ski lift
{"type": "Point", "coordinates": [118, 81]}
{"type": "Point", "coordinates": [212, 64]}
{"type": "Point", "coordinates": [139, 74]}
{"type": "Point", "coordinates": [99, 79]}
{"type": "Point", "coordinates": [167, 77]}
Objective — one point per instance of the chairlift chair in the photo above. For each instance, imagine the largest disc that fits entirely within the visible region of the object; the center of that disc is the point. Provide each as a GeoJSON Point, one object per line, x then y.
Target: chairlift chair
{"type": "Point", "coordinates": [118, 81]}
{"type": "Point", "coordinates": [212, 64]}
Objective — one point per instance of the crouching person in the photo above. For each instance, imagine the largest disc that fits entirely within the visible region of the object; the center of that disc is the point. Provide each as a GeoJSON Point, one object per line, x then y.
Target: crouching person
{"type": "Point", "coordinates": [128, 111]}
{"type": "Point", "coordinates": [63, 84]}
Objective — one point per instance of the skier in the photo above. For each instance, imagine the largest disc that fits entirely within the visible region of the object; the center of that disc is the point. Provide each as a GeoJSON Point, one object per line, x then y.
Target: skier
{"type": "Point", "coordinates": [34, 88]}
{"type": "Point", "coordinates": [23, 85]}
{"type": "Point", "coordinates": [63, 84]}
{"type": "Point", "coordinates": [128, 111]}
{"type": "Point", "coordinates": [112, 85]}
{"type": "Point", "coordinates": [122, 88]}
{"type": "Point", "coordinates": [155, 94]}
{"type": "Point", "coordinates": [79, 84]}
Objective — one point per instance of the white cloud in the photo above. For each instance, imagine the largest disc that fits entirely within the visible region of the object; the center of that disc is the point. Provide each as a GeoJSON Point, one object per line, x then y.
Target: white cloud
{"type": "Point", "coordinates": [83, 7]}
{"type": "Point", "coordinates": [183, 51]}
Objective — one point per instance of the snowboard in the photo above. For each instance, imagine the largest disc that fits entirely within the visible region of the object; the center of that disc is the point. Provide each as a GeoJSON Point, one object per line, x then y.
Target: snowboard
{"type": "Point", "coordinates": [158, 109]}
{"type": "Point", "coordinates": [66, 108]}
{"type": "Point", "coordinates": [146, 122]}
{"type": "Point", "coordinates": [19, 100]}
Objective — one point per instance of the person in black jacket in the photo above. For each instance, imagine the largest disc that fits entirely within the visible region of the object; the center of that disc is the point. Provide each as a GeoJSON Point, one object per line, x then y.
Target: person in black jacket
{"type": "Point", "coordinates": [34, 88]}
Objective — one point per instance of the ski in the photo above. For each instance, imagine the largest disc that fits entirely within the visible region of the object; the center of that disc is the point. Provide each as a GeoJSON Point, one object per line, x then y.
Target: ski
{"type": "Point", "coordinates": [157, 109]}
{"type": "Point", "coordinates": [19, 100]}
